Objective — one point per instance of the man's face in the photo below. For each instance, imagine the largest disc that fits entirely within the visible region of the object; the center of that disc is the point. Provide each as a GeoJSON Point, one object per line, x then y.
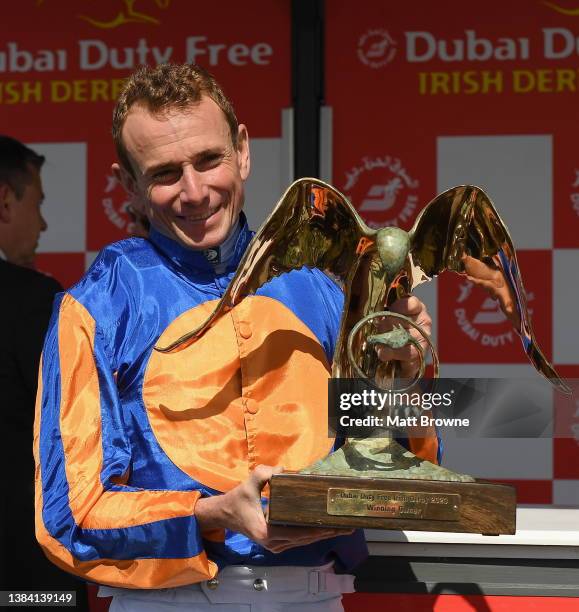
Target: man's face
{"type": "Point", "coordinates": [188, 173]}
{"type": "Point", "coordinates": [26, 221]}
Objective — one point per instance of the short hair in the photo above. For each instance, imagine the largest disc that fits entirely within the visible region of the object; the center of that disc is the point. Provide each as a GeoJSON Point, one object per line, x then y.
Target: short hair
{"type": "Point", "coordinates": [15, 161]}
{"type": "Point", "coordinates": [167, 87]}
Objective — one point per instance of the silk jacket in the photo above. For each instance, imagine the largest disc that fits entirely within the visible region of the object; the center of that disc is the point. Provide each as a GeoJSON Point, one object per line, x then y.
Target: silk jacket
{"type": "Point", "coordinates": [127, 439]}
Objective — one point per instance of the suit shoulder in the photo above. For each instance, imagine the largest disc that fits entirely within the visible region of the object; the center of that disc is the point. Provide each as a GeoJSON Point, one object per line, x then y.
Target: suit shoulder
{"type": "Point", "coordinates": [27, 281]}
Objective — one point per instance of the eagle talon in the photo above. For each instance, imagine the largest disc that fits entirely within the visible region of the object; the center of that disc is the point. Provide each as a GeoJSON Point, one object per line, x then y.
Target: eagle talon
{"type": "Point", "coordinates": [394, 339]}
{"type": "Point", "coordinates": [398, 337]}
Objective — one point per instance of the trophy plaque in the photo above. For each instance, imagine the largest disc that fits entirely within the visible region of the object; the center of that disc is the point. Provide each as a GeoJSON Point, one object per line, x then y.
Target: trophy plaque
{"type": "Point", "coordinates": [375, 482]}
{"type": "Point", "coordinates": [392, 503]}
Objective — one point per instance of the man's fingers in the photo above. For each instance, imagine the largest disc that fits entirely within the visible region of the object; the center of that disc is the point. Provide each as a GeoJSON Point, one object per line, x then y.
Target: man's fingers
{"type": "Point", "coordinates": [406, 353]}
{"type": "Point", "coordinates": [277, 532]}
{"type": "Point", "coordinates": [282, 538]}
{"type": "Point", "coordinates": [409, 352]}
{"type": "Point", "coordinates": [263, 473]}
{"type": "Point", "coordinates": [414, 309]}
{"type": "Point", "coordinates": [409, 306]}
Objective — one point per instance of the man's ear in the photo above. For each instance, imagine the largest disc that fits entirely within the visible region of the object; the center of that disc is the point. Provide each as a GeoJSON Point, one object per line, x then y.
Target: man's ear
{"type": "Point", "coordinates": [243, 157]}
{"type": "Point", "coordinates": [7, 198]}
{"type": "Point", "coordinates": [126, 180]}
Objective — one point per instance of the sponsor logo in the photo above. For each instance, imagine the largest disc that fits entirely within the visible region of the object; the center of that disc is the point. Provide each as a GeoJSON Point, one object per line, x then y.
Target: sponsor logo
{"type": "Point", "coordinates": [481, 319]}
{"type": "Point", "coordinates": [489, 313]}
{"type": "Point", "coordinates": [562, 10]}
{"type": "Point", "coordinates": [124, 14]}
{"type": "Point", "coordinates": [376, 48]}
{"type": "Point", "coordinates": [95, 54]}
{"type": "Point", "coordinates": [212, 255]}
{"type": "Point", "coordinates": [383, 191]}
{"type": "Point", "coordinates": [115, 203]}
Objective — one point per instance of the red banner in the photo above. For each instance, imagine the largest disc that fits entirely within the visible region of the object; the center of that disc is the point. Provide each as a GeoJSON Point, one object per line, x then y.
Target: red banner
{"type": "Point", "coordinates": [61, 67]}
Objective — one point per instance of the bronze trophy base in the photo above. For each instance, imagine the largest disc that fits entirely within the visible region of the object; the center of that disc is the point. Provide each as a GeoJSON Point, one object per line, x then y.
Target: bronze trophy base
{"type": "Point", "coordinates": [411, 505]}
{"type": "Point", "coordinates": [452, 503]}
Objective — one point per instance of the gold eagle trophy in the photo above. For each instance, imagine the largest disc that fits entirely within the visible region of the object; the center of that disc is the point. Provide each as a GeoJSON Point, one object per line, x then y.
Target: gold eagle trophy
{"type": "Point", "coordinates": [374, 482]}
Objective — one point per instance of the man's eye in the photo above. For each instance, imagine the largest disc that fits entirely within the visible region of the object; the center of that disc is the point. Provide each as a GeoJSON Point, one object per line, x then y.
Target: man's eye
{"type": "Point", "coordinates": [167, 175]}
{"type": "Point", "coordinates": [210, 161]}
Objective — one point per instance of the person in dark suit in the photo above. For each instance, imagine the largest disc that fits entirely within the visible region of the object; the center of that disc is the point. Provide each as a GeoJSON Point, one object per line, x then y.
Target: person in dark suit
{"type": "Point", "coordinates": [25, 308]}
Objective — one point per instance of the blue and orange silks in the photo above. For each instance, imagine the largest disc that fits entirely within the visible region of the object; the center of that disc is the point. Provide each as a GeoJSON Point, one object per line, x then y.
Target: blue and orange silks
{"type": "Point", "coordinates": [127, 439]}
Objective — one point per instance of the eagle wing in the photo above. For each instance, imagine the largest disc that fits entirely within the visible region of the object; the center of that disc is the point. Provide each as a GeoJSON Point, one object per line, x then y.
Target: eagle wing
{"type": "Point", "coordinates": [460, 230]}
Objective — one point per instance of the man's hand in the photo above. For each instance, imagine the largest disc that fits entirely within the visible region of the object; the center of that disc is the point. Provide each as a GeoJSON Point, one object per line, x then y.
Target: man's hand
{"type": "Point", "coordinates": [408, 356]}
{"type": "Point", "coordinates": [240, 510]}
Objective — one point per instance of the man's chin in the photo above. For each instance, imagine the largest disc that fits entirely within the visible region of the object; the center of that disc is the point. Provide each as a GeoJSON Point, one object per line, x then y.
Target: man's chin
{"type": "Point", "coordinates": [199, 242]}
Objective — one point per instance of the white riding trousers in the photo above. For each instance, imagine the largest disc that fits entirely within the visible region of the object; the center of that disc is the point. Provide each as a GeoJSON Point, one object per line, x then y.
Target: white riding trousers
{"type": "Point", "coordinates": [243, 589]}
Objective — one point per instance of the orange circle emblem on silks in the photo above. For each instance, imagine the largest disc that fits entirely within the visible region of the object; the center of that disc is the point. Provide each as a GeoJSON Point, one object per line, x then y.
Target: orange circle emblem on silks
{"type": "Point", "coordinates": [253, 389]}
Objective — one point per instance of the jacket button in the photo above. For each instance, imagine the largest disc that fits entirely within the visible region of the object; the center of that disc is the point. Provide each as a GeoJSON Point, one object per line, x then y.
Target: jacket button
{"type": "Point", "coordinates": [251, 406]}
{"type": "Point", "coordinates": [259, 584]}
{"type": "Point", "coordinates": [212, 584]}
{"type": "Point", "coordinates": [244, 329]}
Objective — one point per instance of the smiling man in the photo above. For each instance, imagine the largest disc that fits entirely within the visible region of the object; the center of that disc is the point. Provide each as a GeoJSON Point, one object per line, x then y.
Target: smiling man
{"type": "Point", "coordinates": [152, 466]}
{"type": "Point", "coordinates": [191, 169]}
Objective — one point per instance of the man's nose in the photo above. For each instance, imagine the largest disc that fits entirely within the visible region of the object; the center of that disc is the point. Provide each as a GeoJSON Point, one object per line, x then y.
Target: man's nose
{"type": "Point", "coordinates": [193, 187]}
{"type": "Point", "coordinates": [43, 224]}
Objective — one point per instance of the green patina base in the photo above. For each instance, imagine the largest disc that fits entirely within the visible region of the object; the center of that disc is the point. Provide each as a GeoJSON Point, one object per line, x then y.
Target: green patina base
{"type": "Point", "coordinates": [381, 458]}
